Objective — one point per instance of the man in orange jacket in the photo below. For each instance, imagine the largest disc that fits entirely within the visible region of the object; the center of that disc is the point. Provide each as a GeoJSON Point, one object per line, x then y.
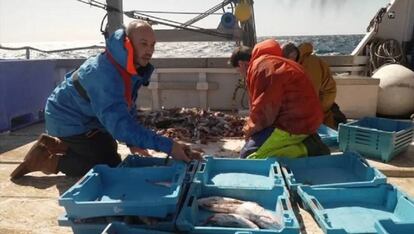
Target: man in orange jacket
{"type": "Point", "coordinates": [284, 109]}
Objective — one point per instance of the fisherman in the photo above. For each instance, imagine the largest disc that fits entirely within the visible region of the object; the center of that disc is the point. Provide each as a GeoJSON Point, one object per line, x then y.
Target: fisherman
{"type": "Point", "coordinates": [284, 109]}
{"type": "Point", "coordinates": [94, 106]}
{"type": "Point", "coordinates": [322, 80]}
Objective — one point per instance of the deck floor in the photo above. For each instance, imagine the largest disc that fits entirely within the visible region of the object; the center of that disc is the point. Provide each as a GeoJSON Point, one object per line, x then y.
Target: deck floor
{"type": "Point", "coordinates": [29, 204]}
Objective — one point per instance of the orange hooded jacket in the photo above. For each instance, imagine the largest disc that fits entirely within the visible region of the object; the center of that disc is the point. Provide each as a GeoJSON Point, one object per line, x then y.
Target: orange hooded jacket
{"type": "Point", "coordinates": [280, 93]}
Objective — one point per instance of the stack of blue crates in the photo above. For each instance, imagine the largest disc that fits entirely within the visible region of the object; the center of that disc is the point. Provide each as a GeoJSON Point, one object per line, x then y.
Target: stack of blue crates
{"type": "Point", "coordinates": [346, 195]}
{"type": "Point", "coordinates": [257, 181]}
{"type": "Point", "coordinates": [111, 199]}
{"type": "Point", "coordinates": [139, 187]}
{"type": "Point", "coordinates": [377, 138]}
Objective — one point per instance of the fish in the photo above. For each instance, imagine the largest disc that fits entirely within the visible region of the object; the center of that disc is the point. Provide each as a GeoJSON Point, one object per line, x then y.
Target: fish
{"type": "Point", "coordinates": [219, 204]}
{"type": "Point", "coordinates": [263, 218]}
{"type": "Point", "coordinates": [230, 220]}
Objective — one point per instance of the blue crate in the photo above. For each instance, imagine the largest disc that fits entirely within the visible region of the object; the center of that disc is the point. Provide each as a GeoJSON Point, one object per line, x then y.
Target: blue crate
{"type": "Point", "coordinates": [122, 228]}
{"type": "Point", "coordinates": [356, 209]}
{"type": "Point", "coordinates": [100, 224]}
{"type": "Point", "coordinates": [390, 227]}
{"type": "Point", "coordinates": [106, 191]}
{"type": "Point", "coordinates": [136, 161]}
{"type": "Point", "coordinates": [239, 173]}
{"type": "Point", "coordinates": [24, 88]}
{"type": "Point", "coordinates": [377, 138]}
{"type": "Point", "coordinates": [191, 218]}
{"type": "Point", "coordinates": [344, 170]}
{"type": "Point", "coordinates": [328, 135]}
{"type": "Point", "coordinates": [80, 227]}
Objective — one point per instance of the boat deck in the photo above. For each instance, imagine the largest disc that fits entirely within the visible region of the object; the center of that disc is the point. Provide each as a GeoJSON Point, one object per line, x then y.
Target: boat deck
{"type": "Point", "coordinates": [30, 204]}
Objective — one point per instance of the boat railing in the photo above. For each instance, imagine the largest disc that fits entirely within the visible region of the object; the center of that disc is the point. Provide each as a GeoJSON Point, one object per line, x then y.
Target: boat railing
{"type": "Point", "coordinates": [28, 49]}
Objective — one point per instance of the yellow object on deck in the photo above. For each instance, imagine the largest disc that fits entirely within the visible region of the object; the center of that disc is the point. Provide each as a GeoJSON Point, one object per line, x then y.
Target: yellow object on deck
{"type": "Point", "coordinates": [281, 144]}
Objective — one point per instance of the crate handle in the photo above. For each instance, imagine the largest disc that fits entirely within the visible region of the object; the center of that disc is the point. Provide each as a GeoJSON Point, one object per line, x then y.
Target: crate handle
{"type": "Point", "coordinates": [284, 204]}
{"type": "Point", "coordinates": [315, 204]}
{"type": "Point", "coordinates": [276, 170]}
{"type": "Point", "coordinates": [286, 169]}
{"type": "Point", "coordinates": [202, 167]}
{"type": "Point", "coordinates": [191, 167]}
{"type": "Point", "coordinates": [364, 161]}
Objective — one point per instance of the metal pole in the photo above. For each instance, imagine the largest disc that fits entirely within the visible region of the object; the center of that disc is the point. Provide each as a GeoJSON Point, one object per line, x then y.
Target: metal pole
{"type": "Point", "coordinates": [249, 29]}
{"type": "Point", "coordinates": [115, 18]}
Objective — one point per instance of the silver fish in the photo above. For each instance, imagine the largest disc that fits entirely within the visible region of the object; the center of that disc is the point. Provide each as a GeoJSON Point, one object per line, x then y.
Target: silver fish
{"type": "Point", "coordinates": [219, 204]}
{"type": "Point", "coordinates": [231, 220]}
{"type": "Point", "coordinates": [263, 218]}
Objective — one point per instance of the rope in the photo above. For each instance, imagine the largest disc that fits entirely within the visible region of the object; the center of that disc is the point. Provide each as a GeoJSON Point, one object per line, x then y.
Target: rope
{"type": "Point", "coordinates": [383, 52]}
{"type": "Point", "coordinates": [176, 12]}
{"type": "Point", "coordinates": [51, 51]}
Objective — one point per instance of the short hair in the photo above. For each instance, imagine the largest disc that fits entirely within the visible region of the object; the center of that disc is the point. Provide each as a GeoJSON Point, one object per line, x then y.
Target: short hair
{"type": "Point", "coordinates": [134, 25]}
{"type": "Point", "coordinates": [290, 48]}
{"type": "Point", "coordinates": [241, 53]}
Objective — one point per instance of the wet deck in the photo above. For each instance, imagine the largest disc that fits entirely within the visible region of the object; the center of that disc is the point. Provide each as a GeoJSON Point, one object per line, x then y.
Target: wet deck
{"type": "Point", "coordinates": [29, 204]}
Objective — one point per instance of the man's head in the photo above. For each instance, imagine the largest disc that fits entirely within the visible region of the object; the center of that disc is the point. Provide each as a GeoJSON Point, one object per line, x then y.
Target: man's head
{"type": "Point", "coordinates": [240, 58]}
{"type": "Point", "coordinates": [290, 51]}
{"type": "Point", "coordinates": [143, 40]}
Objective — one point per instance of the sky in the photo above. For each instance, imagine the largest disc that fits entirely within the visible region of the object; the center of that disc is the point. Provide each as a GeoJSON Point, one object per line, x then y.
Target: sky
{"type": "Point", "coordinates": [71, 20]}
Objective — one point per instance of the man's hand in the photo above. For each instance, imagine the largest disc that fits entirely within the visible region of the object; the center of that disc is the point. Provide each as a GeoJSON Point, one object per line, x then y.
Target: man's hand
{"type": "Point", "coordinates": [183, 152]}
{"type": "Point", "coordinates": [137, 150]}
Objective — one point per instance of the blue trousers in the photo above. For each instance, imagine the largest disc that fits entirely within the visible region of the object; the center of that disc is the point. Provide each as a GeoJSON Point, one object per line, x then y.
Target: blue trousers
{"type": "Point", "coordinates": [255, 141]}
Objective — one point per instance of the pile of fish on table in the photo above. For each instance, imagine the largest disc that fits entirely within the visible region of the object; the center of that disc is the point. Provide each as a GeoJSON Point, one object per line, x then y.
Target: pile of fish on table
{"type": "Point", "coordinates": [230, 212]}
{"type": "Point", "coordinates": [192, 124]}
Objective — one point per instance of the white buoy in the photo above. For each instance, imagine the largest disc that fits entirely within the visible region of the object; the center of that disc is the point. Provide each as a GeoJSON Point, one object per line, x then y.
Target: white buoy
{"type": "Point", "coordinates": [396, 91]}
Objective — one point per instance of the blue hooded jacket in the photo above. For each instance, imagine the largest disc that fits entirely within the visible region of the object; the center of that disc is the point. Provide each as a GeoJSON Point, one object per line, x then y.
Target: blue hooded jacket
{"type": "Point", "coordinates": [68, 114]}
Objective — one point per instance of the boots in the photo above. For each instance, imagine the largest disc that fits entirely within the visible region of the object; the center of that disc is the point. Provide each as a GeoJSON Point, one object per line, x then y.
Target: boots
{"type": "Point", "coordinates": [43, 156]}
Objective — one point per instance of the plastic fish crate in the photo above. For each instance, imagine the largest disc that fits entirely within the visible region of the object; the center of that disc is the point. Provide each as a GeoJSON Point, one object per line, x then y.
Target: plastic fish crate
{"type": "Point", "coordinates": [106, 191]}
{"type": "Point", "coordinates": [135, 161]}
{"type": "Point", "coordinates": [357, 209]}
{"type": "Point", "coordinates": [377, 138]}
{"type": "Point", "coordinates": [328, 135]}
{"type": "Point", "coordinates": [239, 173]}
{"type": "Point", "coordinates": [344, 170]}
{"type": "Point", "coordinates": [390, 227]}
{"type": "Point", "coordinates": [192, 219]}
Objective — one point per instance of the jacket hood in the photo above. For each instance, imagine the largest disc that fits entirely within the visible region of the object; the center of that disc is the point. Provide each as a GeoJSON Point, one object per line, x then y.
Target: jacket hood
{"type": "Point", "coordinates": [115, 44]}
{"type": "Point", "coordinates": [305, 49]}
{"type": "Point", "coordinates": [267, 47]}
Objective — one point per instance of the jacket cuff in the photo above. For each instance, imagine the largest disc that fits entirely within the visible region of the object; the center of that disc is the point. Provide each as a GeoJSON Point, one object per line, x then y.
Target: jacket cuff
{"type": "Point", "coordinates": [164, 144]}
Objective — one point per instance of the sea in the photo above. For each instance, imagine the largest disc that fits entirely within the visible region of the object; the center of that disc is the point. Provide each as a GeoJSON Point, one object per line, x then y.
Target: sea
{"type": "Point", "coordinates": [323, 45]}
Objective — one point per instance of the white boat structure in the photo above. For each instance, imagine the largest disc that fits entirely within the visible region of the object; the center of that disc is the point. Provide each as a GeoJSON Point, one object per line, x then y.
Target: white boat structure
{"type": "Point", "coordinates": [211, 82]}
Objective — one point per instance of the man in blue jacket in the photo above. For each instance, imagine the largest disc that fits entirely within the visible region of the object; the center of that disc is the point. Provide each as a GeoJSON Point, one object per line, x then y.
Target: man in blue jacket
{"type": "Point", "coordinates": [94, 105]}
